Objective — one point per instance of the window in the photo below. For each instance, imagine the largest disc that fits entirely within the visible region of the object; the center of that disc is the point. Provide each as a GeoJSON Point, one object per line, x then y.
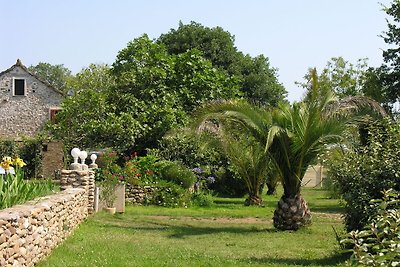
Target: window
{"type": "Point", "coordinates": [53, 112]}
{"type": "Point", "coordinates": [19, 87]}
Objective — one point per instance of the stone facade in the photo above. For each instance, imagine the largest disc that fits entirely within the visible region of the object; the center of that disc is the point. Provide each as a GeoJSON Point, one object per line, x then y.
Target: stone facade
{"type": "Point", "coordinates": [23, 113]}
{"type": "Point", "coordinates": [30, 231]}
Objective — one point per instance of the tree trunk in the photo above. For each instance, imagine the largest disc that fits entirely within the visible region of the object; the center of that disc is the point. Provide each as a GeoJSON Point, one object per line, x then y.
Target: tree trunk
{"type": "Point", "coordinates": [271, 185]}
{"type": "Point", "coordinates": [253, 200]}
{"type": "Point", "coordinates": [292, 213]}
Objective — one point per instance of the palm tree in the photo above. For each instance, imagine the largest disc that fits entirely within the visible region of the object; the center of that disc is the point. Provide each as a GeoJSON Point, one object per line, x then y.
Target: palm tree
{"type": "Point", "coordinates": [251, 162]}
{"type": "Point", "coordinates": [245, 153]}
{"type": "Point", "coordinates": [293, 136]}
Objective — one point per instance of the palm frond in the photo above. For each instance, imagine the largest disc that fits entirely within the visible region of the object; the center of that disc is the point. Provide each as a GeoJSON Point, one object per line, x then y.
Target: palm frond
{"type": "Point", "coordinates": [350, 105]}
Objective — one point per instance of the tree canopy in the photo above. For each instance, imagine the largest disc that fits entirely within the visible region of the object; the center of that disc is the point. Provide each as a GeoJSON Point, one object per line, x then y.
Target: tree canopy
{"type": "Point", "coordinates": [56, 75]}
{"type": "Point", "coordinates": [95, 76]}
{"type": "Point", "coordinates": [148, 93]}
{"type": "Point", "coordinates": [258, 80]}
{"type": "Point", "coordinates": [383, 82]}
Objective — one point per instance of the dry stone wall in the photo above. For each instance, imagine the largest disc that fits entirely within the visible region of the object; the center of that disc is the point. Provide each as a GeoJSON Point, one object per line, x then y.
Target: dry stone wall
{"type": "Point", "coordinates": [80, 179]}
{"type": "Point", "coordinates": [30, 231]}
{"type": "Point", "coordinates": [136, 194]}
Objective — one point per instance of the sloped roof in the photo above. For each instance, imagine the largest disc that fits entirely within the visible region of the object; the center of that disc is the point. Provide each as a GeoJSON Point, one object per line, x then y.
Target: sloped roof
{"type": "Point", "coordinates": [22, 66]}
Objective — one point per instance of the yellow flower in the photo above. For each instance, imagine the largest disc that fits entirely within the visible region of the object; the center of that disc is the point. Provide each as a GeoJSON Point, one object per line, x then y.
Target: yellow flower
{"type": "Point", "coordinates": [5, 164]}
{"type": "Point", "coordinates": [19, 162]}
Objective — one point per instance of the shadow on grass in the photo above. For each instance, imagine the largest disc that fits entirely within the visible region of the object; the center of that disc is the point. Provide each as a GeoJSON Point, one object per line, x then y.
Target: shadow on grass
{"type": "Point", "coordinates": [190, 230]}
{"type": "Point", "coordinates": [327, 209]}
{"type": "Point", "coordinates": [182, 231]}
{"type": "Point", "coordinates": [334, 259]}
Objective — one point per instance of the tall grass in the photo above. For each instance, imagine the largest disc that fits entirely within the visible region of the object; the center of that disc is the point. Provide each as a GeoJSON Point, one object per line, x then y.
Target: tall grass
{"type": "Point", "coordinates": [14, 189]}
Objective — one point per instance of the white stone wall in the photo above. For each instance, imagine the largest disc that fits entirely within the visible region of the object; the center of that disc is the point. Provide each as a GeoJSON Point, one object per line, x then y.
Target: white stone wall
{"type": "Point", "coordinates": [24, 115]}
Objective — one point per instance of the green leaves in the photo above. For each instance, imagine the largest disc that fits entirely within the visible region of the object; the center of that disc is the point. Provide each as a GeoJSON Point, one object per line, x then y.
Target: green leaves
{"type": "Point", "coordinates": [362, 174]}
{"type": "Point", "coordinates": [56, 75]}
{"type": "Point", "coordinates": [14, 189]}
{"type": "Point", "coordinates": [378, 244]}
{"type": "Point", "coordinates": [256, 79]}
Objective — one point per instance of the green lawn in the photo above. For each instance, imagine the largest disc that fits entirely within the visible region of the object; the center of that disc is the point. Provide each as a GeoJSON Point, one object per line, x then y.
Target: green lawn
{"type": "Point", "coordinates": [228, 234]}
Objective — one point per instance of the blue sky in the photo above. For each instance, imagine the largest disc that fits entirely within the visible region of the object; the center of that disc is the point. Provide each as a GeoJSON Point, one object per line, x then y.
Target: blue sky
{"type": "Point", "coordinates": [294, 35]}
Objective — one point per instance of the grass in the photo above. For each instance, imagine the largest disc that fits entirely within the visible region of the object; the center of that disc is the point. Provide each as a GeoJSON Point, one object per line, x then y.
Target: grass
{"type": "Point", "coordinates": [227, 234]}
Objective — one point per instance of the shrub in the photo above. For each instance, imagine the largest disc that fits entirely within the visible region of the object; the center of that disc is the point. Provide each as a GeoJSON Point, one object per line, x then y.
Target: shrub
{"type": "Point", "coordinates": [8, 148]}
{"type": "Point", "coordinates": [168, 194]}
{"type": "Point", "coordinates": [29, 149]}
{"type": "Point", "coordinates": [364, 174]}
{"type": "Point", "coordinates": [202, 199]}
{"type": "Point", "coordinates": [176, 172]}
{"type": "Point", "coordinates": [379, 243]}
{"type": "Point", "coordinates": [141, 169]}
{"type": "Point", "coordinates": [180, 146]}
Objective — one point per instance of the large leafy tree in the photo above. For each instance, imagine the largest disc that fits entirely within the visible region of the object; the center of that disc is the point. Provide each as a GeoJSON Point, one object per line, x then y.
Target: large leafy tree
{"type": "Point", "coordinates": [343, 77]}
{"type": "Point", "coordinates": [95, 77]}
{"type": "Point", "coordinates": [391, 56]}
{"type": "Point", "coordinates": [88, 120]}
{"type": "Point", "coordinates": [383, 82]}
{"type": "Point", "coordinates": [56, 75]}
{"type": "Point", "coordinates": [216, 44]}
{"type": "Point", "coordinates": [141, 71]}
{"type": "Point", "coordinates": [295, 137]}
{"type": "Point", "coordinates": [146, 92]}
{"type": "Point", "coordinates": [258, 80]}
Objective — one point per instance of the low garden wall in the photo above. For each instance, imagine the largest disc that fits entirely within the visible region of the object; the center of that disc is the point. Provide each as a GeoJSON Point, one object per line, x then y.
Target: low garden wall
{"type": "Point", "coordinates": [136, 194]}
{"type": "Point", "coordinates": [30, 231]}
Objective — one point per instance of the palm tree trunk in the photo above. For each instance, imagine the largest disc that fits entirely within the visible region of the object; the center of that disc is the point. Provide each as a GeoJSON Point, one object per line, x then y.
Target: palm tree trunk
{"type": "Point", "coordinates": [271, 185]}
{"type": "Point", "coordinates": [253, 200]}
{"type": "Point", "coordinates": [292, 213]}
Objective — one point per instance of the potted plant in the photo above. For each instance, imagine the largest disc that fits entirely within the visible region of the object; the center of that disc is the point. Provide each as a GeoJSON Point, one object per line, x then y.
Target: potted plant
{"type": "Point", "coordinates": [107, 193]}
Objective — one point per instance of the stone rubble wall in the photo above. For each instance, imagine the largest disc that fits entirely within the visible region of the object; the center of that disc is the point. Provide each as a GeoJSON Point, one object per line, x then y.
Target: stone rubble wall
{"type": "Point", "coordinates": [80, 179]}
{"type": "Point", "coordinates": [30, 231]}
{"type": "Point", "coordinates": [136, 194]}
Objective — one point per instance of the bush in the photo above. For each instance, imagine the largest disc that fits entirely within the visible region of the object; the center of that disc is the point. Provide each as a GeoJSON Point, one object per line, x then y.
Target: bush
{"type": "Point", "coordinates": [29, 149]}
{"type": "Point", "coordinates": [179, 146]}
{"type": "Point", "coordinates": [379, 243]}
{"type": "Point", "coordinates": [202, 199]}
{"type": "Point", "coordinates": [364, 174]}
{"type": "Point", "coordinates": [176, 172]}
{"type": "Point", "coordinates": [141, 169]}
{"type": "Point", "coordinates": [168, 194]}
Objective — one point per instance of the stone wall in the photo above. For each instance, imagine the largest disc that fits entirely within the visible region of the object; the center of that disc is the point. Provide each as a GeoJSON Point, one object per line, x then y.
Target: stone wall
{"type": "Point", "coordinates": [80, 179]}
{"type": "Point", "coordinates": [24, 115]}
{"type": "Point", "coordinates": [30, 231]}
{"type": "Point", "coordinates": [136, 194]}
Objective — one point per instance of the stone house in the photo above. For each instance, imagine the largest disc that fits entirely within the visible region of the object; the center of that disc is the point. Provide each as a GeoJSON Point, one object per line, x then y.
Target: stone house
{"type": "Point", "coordinates": [26, 102]}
